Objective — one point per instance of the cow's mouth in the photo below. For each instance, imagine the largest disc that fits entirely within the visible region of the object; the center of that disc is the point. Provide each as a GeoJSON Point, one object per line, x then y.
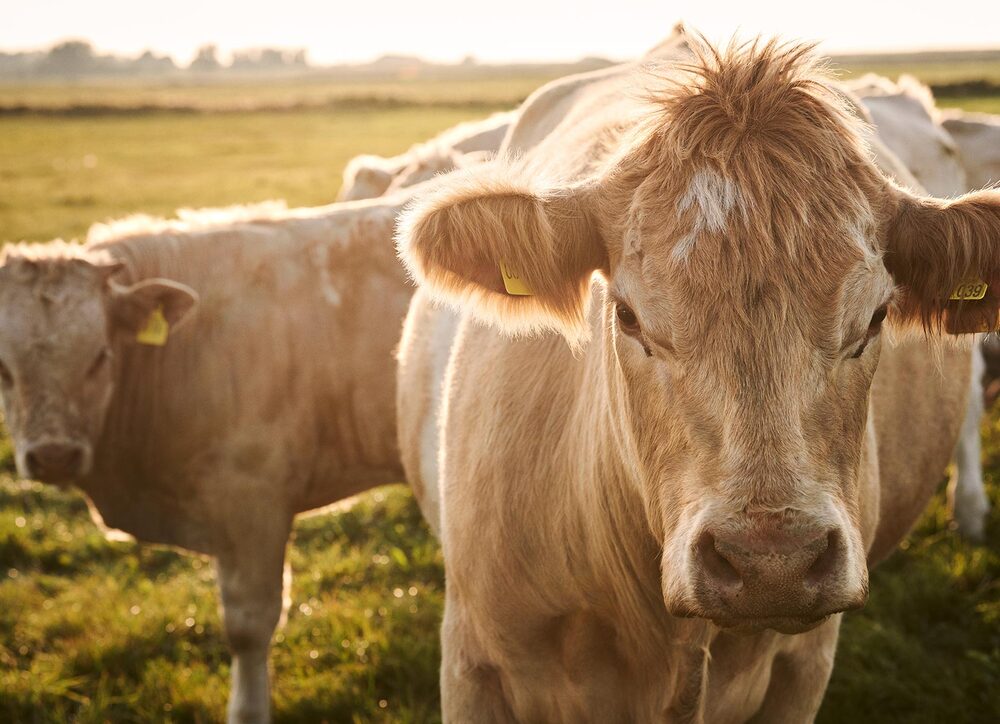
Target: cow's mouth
{"type": "Point", "coordinates": [781, 624]}
{"type": "Point", "coordinates": [756, 624]}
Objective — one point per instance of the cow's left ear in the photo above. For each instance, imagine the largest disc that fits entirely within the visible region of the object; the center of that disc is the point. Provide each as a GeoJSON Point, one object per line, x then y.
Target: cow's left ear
{"type": "Point", "coordinates": [135, 308]}
{"type": "Point", "coordinates": [516, 255]}
{"type": "Point", "coordinates": [935, 250]}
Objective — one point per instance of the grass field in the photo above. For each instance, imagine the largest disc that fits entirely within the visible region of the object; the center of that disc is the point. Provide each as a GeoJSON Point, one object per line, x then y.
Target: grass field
{"type": "Point", "coordinates": [95, 631]}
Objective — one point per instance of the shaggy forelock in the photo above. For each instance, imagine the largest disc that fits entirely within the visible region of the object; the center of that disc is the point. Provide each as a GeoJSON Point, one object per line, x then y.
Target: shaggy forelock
{"type": "Point", "coordinates": [764, 123]}
{"type": "Point", "coordinates": [751, 95]}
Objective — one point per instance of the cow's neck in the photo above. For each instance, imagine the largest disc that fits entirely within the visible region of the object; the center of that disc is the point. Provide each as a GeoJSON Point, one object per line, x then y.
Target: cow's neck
{"type": "Point", "coordinates": [608, 527]}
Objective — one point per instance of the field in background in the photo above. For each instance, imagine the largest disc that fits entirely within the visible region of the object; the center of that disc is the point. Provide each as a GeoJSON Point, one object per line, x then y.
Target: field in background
{"type": "Point", "coordinates": [94, 631]}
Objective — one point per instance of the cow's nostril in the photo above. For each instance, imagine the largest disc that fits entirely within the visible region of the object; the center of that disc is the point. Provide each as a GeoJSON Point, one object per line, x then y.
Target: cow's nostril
{"type": "Point", "coordinates": [716, 564]}
{"type": "Point", "coordinates": [54, 461]}
{"type": "Point", "coordinates": [73, 459]}
{"type": "Point", "coordinates": [826, 560]}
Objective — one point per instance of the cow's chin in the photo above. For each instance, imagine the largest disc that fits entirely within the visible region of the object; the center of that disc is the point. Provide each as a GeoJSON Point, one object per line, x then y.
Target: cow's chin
{"type": "Point", "coordinates": [779, 624]}
{"type": "Point", "coordinates": [748, 626]}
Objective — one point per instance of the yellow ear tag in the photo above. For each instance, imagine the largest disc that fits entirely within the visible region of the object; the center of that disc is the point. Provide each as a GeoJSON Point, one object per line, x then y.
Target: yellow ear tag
{"type": "Point", "coordinates": [513, 283]}
{"type": "Point", "coordinates": [156, 329]}
{"type": "Point", "coordinates": [969, 290]}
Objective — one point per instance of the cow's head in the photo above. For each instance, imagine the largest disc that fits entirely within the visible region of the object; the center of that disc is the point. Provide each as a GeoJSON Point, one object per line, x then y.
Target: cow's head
{"type": "Point", "coordinates": [747, 254]}
{"type": "Point", "coordinates": [62, 319]}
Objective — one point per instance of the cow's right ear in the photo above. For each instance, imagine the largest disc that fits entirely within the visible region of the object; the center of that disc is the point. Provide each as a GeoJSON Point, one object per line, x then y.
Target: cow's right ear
{"type": "Point", "coordinates": [521, 257]}
{"type": "Point", "coordinates": [136, 309]}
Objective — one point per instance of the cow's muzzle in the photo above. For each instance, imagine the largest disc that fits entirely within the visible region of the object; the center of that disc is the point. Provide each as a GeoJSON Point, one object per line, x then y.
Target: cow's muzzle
{"type": "Point", "coordinates": [774, 571]}
{"type": "Point", "coordinates": [56, 462]}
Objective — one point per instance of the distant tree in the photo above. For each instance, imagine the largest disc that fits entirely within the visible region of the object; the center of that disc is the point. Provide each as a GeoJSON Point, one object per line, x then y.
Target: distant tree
{"type": "Point", "coordinates": [150, 63]}
{"type": "Point", "coordinates": [271, 58]}
{"type": "Point", "coordinates": [72, 57]}
{"type": "Point", "coordinates": [266, 59]}
{"type": "Point", "coordinates": [20, 65]}
{"type": "Point", "coordinates": [207, 59]}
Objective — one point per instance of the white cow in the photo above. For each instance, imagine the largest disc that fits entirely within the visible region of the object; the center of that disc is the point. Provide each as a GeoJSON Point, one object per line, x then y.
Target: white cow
{"type": "Point", "coordinates": [908, 122]}
{"type": "Point", "coordinates": [978, 139]}
{"type": "Point", "coordinates": [369, 176]}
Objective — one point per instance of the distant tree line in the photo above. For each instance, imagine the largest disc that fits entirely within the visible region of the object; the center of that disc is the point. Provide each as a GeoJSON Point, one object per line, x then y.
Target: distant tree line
{"type": "Point", "coordinates": [78, 58]}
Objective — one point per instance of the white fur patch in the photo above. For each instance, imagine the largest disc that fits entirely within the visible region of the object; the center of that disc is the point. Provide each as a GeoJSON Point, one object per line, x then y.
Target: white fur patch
{"type": "Point", "coordinates": [714, 196]}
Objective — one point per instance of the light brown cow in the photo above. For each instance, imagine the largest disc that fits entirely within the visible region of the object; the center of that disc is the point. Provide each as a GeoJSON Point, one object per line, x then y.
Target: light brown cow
{"type": "Point", "coordinates": [662, 519]}
{"type": "Point", "coordinates": [368, 176]}
{"type": "Point", "coordinates": [272, 393]}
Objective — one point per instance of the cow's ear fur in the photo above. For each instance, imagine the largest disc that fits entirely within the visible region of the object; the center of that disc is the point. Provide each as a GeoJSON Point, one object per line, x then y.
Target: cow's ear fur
{"type": "Point", "coordinates": [132, 306]}
{"type": "Point", "coordinates": [932, 246]}
{"type": "Point", "coordinates": [454, 240]}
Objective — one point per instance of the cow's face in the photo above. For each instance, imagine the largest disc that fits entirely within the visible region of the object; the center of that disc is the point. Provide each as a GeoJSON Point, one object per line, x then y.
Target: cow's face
{"type": "Point", "coordinates": [62, 324]}
{"type": "Point", "coordinates": [749, 253]}
{"type": "Point", "coordinates": [744, 353]}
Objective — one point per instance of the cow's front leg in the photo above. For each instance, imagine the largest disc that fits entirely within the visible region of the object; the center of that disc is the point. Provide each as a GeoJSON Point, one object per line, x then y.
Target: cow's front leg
{"type": "Point", "coordinates": [470, 688]}
{"type": "Point", "coordinates": [252, 581]}
{"type": "Point", "coordinates": [966, 493]}
{"type": "Point", "coordinates": [799, 675]}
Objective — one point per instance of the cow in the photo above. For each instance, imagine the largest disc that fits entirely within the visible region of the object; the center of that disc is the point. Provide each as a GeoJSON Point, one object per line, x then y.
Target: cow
{"type": "Point", "coordinates": [202, 380]}
{"type": "Point", "coordinates": [668, 439]}
{"type": "Point", "coordinates": [977, 136]}
{"type": "Point", "coordinates": [910, 124]}
{"type": "Point", "coordinates": [367, 176]}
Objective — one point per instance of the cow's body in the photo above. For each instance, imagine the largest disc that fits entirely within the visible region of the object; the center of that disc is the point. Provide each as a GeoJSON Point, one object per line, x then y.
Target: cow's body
{"type": "Point", "coordinates": [978, 139]}
{"type": "Point", "coordinates": [520, 452]}
{"type": "Point", "coordinates": [367, 176]}
{"type": "Point", "coordinates": [908, 123]}
{"type": "Point", "coordinates": [274, 396]}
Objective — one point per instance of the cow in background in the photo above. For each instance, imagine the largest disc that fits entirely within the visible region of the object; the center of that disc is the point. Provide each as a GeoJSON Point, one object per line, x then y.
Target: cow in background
{"type": "Point", "coordinates": [203, 380]}
{"type": "Point", "coordinates": [368, 176]}
{"type": "Point", "coordinates": [909, 123]}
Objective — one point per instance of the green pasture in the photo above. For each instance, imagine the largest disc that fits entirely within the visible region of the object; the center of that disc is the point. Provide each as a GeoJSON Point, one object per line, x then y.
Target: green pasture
{"type": "Point", "coordinates": [93, 630]}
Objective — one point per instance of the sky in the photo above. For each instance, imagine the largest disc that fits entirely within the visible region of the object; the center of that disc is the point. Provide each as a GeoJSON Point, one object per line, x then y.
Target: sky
{"type": "Point", "coordinates": [496, 30]}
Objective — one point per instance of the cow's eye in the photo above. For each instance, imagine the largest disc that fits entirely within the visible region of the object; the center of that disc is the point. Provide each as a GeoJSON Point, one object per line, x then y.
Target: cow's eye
{"type": "Point", "coordinates": [629, 324]}
{"type": "Point", "coordinates": [100, 360]}
{"type": "Point", "coordinates": [627, 320]}
{"type": "Point", "coordinates": [878, 317]}
{"type": "Point", "coordinates": [874, 327]}
{"type": "Point", "coordinates": [5, 376]}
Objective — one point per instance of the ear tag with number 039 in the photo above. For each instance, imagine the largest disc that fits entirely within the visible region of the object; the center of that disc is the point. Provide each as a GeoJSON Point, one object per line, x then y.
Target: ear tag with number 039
{"type": "Point", "coordinates": [156, 329]}
{"type": "Point", "coordinates": [514, 285]}
{"type": "Point", "coordinates": [970, 290]}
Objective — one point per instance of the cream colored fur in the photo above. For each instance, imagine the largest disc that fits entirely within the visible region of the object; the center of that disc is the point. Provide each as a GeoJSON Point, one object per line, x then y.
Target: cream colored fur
{"type": "Point", "coordinates": [273, 397]}
{"type": "Point", "coordinates": [572, 478]}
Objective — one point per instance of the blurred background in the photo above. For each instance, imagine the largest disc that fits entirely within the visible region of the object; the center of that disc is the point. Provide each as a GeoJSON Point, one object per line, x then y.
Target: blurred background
{"type": "Point", "coordinates": [112, 107]}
